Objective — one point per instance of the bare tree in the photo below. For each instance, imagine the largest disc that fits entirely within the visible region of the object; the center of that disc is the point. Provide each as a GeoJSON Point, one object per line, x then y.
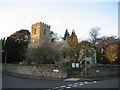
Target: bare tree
{"type": "Point", "coordinates": [94, 34]}
{"type": "Point", "coordinates": [54, 37]}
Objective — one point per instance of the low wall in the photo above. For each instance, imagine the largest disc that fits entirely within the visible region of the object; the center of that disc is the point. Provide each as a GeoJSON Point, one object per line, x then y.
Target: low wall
{"type": "Point", "coordinates": [49, 71]}
{"type": "Point", "coordinates": [99, 71]}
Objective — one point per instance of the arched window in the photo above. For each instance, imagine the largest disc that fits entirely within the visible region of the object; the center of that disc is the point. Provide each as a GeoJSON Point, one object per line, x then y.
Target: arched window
{"type": "Point", "coordinates": [44, 31]}
{"type": "Point", "coordinates": [34, 31]}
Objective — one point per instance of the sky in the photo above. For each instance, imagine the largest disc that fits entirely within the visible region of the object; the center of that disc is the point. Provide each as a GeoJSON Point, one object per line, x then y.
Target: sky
{"type": "Point", "coordinates": [78, 15]}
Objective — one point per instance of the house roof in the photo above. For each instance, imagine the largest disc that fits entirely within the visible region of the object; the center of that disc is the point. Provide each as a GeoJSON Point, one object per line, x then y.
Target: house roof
{"type": "Point", "coordinates": [55, 44]}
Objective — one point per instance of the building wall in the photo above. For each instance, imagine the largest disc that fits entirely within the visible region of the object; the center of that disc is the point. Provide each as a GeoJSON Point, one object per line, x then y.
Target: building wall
{"type": "Point", "coordinates": [40, 34]}
{"type": "Point", "coordinates": [44, 34]}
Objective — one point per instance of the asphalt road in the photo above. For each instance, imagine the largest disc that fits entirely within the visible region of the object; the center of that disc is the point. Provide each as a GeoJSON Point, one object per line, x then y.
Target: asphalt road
{"type": "Point", "coordinates": [10, 81]}
{"type": "Point", "coordinates": [111, 83]}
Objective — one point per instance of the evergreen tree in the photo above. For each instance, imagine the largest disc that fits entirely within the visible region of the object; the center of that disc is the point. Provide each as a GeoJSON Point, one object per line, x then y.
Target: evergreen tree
{"type": "Point", "coordinates": [66, 35]}
{"type": "Point", "coordinates": [73, 40]}
{"type": "Point", "coordinates": [73, 44]}
{"type": "Point", "coordinates": [15, 50]}
{"type": "Point", "coordinates": [15, 46]}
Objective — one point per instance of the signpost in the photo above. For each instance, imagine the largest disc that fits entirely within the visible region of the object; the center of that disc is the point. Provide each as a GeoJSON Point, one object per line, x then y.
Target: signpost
{"type": "Point", "coordinates": [77, 65]}
{"type": "Point", "coordinates": [73, 65]}
{"type": "Point", "coordinates": [55, 70]}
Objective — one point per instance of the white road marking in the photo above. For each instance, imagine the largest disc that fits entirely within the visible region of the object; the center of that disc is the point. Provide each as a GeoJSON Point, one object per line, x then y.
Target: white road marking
{"type": "Point", "coordinates": [55, 87]}
{"type": "Point", "coordinates": [70, 85]}
{"type": "Point", "coordinates": [67, 87]}
{"type": "Point", "coordinates": [85, 82]}
{"type": "Point", "coordinates": [62, 86]}
{"type": "Point", "coordinates": [81, 84]}
{"type": "Point", "coordinates": [75, 85]}
{"type": "Point", "coordinates": [94, 81]}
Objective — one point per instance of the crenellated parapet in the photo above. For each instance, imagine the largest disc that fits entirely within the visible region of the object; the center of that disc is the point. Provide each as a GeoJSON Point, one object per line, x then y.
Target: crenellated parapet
{"type": "Point", "coordinates": [41, 24]}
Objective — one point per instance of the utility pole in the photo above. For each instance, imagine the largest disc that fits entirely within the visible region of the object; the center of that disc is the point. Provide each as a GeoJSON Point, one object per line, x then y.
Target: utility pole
{"type": "Point", "coordinates": [5, 57]}
{"type": "Point", "coordinates": [85, 66]}
{"type": "Point", "coordinates": [95, 56]}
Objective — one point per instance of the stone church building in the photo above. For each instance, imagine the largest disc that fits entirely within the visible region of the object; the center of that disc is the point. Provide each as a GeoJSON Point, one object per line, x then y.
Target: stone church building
{"type": "Point", "coordinates": [40, 35]}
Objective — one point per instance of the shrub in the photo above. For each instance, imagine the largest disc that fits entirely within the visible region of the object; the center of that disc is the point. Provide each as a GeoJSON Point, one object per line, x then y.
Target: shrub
{"type": "Point", "coordinates": [42, 55]}
{"type": "Point", "coordinates": [70, 69]}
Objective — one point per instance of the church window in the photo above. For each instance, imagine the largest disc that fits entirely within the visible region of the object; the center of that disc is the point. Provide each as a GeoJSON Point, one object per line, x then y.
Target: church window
{"type": "Point", "coordinates": [34, 32]}
{"type": "Point", "coordinates": [44, 31]}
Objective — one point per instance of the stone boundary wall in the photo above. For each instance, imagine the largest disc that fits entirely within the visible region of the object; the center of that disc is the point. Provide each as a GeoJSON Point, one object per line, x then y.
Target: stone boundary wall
{"type": "Point", "coordinates": [48, 71]}
{"type": "Point", "coordinates": [99, 71]}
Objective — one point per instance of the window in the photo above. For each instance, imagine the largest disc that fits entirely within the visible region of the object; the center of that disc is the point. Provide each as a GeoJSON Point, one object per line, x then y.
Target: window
{"type": "Point", "coordinates": [34, 31]}
{"type": "Point", "coordinates": [44, 31]}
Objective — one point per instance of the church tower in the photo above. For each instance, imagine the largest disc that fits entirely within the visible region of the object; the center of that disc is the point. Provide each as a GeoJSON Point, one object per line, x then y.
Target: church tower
{"type": "Point", "coordinates": [40, 34]}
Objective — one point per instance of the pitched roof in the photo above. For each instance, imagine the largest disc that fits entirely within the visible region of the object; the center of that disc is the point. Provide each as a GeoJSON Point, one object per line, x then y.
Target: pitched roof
{"type": "Point", "coordinates": [55, 44]}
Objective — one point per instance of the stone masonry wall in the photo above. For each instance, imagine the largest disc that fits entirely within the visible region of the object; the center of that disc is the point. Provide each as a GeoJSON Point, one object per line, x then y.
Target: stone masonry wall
{"type": "Point", "coordinates": [101, 71]}
{"type": "Point", "coordinates": [36, 71]}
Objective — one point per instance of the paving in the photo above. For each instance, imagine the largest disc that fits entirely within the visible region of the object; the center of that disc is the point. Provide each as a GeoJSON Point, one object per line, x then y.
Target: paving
{"type": "Point", "coordinates": [72, 79]}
